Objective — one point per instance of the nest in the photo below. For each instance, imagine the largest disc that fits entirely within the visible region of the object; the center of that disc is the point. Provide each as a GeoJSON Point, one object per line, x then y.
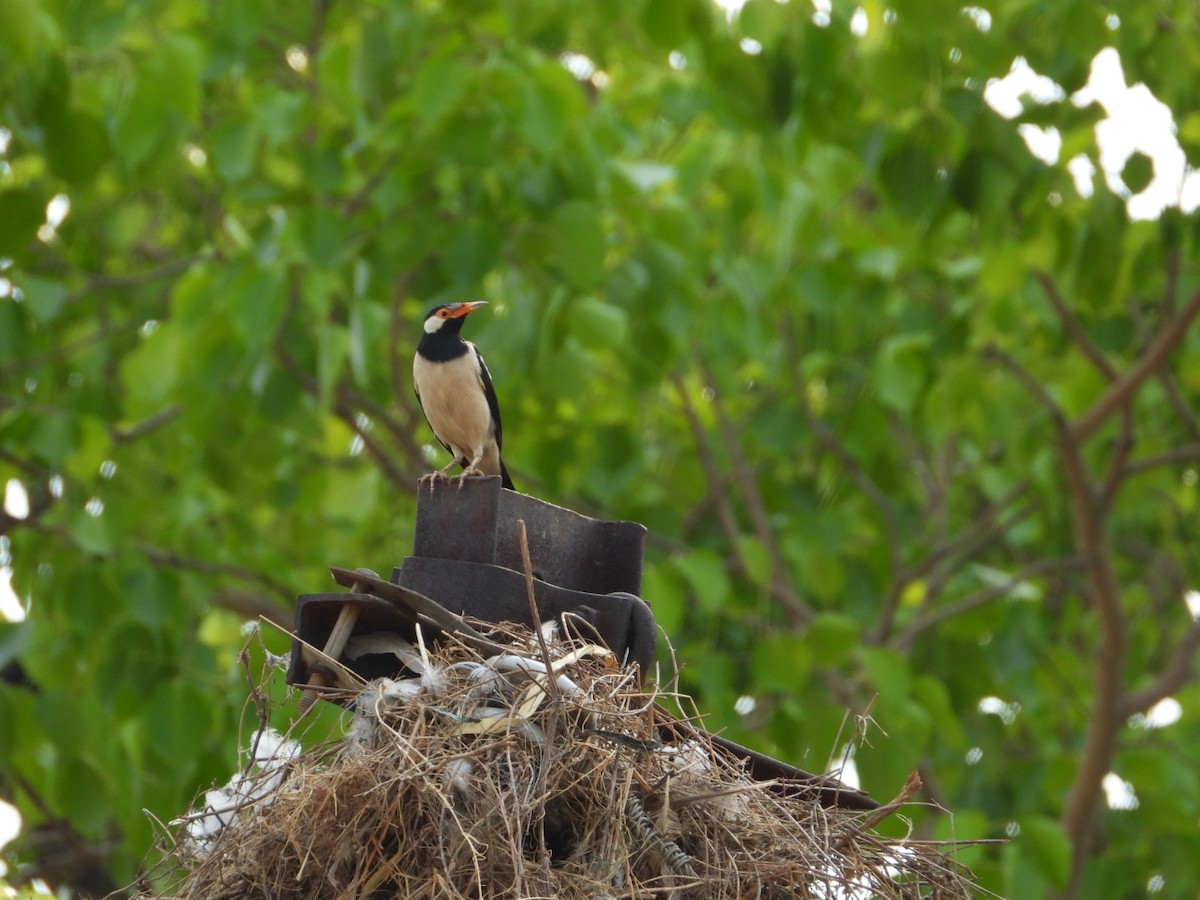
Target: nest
{"type": "Point", "coordinates": [507, 777]}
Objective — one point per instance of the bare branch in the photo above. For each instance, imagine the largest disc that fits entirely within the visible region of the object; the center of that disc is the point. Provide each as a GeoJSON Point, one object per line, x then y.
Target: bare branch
{"type": "Point", "coordinates": [1074, 328]}
{"type": "Point", "coordinates": [102, 282]}
{"type": "Point", "coordinates": [1149, 363]}
{"type": "Point", "coordinates": [1189, 453]}
{"type": "Point", "coordinates": [153, 423]}
{"type": "Point", "coordinates": [1179, 670]}
{"type": "Point", "coordinates": [173, 560]}
{"type": "Point", "coordinates": [983, 597]}
{"type": "Point", "coordinates": [1122, 447]}
{"type": "Point", "coordinates": [716, 481]}
{"type": "Point", "coordinates": [781, 588]}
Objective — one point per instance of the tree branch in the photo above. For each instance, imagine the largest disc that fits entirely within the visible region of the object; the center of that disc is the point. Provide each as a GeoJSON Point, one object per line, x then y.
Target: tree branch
{"type": "Point", "coordinates": [1179, 670]}
{"type": "Point", "coordinates": [1074, 328]}
{"type": "Point", "coordinates": [720, 497]}
{"type": "Point", "coordinates": [982, 597]}
{"type": "Point", "coordinates": [1149, 363]}
{"type": "Point", "coordinates": [781, 587]}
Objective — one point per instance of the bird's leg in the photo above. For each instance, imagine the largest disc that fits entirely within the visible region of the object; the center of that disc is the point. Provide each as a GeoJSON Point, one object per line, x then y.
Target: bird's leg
{"type": "Point", "coordinates": [439, 475]}
{"type": "Point", "coordinates": [470, 469]}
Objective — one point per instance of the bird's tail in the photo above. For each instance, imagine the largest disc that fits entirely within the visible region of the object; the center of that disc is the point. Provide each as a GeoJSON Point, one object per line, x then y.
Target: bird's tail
{"type": "Point", "coordinates": [504, 479]}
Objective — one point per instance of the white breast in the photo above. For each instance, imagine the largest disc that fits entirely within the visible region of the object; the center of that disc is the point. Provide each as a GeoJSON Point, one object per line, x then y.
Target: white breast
{"type": "Point", "coordinates": [452, 396]}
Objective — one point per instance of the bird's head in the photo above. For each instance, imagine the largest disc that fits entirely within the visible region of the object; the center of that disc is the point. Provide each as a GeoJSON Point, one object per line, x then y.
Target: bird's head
{"type": "Point", "coordinates": [449, 318]}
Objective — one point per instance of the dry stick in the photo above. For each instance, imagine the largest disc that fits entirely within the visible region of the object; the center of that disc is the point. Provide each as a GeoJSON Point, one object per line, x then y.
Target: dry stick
{"type": "Point", "coordinates": [334, 645]}
{"type": "Point", "coordinates": [551, 687]}
{"type": "Point", "coordinates": [911, 786]}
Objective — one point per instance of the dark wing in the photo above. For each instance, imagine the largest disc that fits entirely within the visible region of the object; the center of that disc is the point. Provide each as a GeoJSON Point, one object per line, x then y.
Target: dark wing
{"type": "Point", "coordinates": [490, 393]}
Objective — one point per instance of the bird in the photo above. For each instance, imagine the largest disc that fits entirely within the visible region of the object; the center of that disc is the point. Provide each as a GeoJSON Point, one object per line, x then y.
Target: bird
{"type": "Point", "coordinates": [455, 391]}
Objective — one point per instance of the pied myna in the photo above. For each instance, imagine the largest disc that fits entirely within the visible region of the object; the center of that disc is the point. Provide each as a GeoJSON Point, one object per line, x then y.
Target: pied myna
{"type": "Point", "coordinates": [456, 393]}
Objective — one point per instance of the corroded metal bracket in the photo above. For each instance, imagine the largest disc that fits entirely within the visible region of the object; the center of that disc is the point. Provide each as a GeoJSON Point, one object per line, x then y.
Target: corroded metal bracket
{"type": "Point", "coordinates": [467, 558]}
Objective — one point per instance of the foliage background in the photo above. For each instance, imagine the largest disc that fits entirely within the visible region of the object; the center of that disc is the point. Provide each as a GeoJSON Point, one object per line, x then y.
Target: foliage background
{"type": "Point", "coordinates": [910, 420]}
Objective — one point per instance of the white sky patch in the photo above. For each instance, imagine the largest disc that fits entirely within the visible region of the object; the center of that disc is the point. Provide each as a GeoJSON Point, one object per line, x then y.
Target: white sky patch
{"type": "Point", "coordinates": [846, 770]}
{"type": "Point", "coordinates": [57, 209]}
{"type": "Point", "coordinates": [1137, 122]}
{"type": "Point", "coordinates": [11, 608]}
{"type": "Point", "coordinates": [859, 23]}
{"type": "Point", "coordinates": [577, 64]}
{"type": "Point", "coordinates": [297, 58]}
{"type": "Point", "coordinates": [1192, 601]}
{"type": "Point", "coordinates": [1005, 95]}
{"type": "Point", "coordinates": [750, 46]}
{"type": "Point", "coordinates": [1044, 143]}
{"type": "Point", "coordinates": [677, 60]}
{"type": "Point", "coordinates": [745, 705]}
{"type": "Point", "coordinates": [1118, 792]}
{"type": "Point", "coordinates": [973, 756]}
{"type": "Point", "coordinates": [731, 7]}
{"type": "Point", "coordinates": [10, 823]}
{"type": "Point", "coordinates": [5, 137]}
{"type": "Point", "coordinates": [1082, 170]}
{"type": "Point", "coordinates": [980, 16]}
{"type": "Point", "coordinates": [1165, 712]}
{"type": "Point", "coordinates": [195, 155]}
{"type": "Point", "coordinates": [822, 13]}
{"type": "Point", "coordinates": [994, 706]}
{"type": "Point", "coordinates": [16, 499]}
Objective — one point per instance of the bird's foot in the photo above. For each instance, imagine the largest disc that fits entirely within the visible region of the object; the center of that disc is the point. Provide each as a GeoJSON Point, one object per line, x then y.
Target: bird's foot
{"type": "Point", "coordinates": [432, 478]}
{"type": "Point", "coordinates": [468, 472]}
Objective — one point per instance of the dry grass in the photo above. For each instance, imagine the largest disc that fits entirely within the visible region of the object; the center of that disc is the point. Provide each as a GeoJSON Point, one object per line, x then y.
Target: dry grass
{"type": "Point", "coordinates": [481, 780]}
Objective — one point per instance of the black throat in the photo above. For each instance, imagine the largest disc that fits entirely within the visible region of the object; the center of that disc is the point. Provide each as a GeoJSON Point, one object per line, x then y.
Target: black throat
{"type": "Point", "coordinates": [442, 345]}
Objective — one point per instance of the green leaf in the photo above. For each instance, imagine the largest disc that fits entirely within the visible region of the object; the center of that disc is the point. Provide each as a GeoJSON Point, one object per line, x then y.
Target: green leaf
{"type": "Point", "coordinates": [781, 662]}
{"type": "Point", "coordinates": [24, 212]}
{"type": "Point", "coordinates": [439, 86]}
{"type": "Point", "coordinates": [234, 149]}
{"type": "Point", "coordinates": [599, 326]}
{"type": "Point", "coordinates": [77, 146]}
{"type": "Point", "coordinates": [1045, 842]}
{"type": "Point", "coordinates": [705, 572]}
{"type": "Point", "coordinates": [577, 243]}
{"type": "Point", "coordinates": [43, 297]}
{"type": "Point", "coordinates": [151, 371]}
{"type": "Point", "coordinates": [27, 29]}
{"type": "Point", "coordinates": [91, 534]}
{"type": "Point", "coordinates": [833, 638]}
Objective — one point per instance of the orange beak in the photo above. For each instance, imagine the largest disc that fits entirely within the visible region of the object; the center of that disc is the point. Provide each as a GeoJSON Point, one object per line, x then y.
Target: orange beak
{"type": "Point", "coordinates": [465, 309]}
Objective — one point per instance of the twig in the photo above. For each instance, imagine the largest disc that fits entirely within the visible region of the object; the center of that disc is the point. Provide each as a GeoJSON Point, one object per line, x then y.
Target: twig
{"type": "Point", "coordinates": [1178, 671]}
{"type": "Point", "coordinates": [174, 560]}
{"type": "Point", "coordinates": [781, 588]}
{"type": "Point", "coordinates": [1123, 388]}
{"type": "Point", "coordinates": [1074, 328]}
{"type": "Point", "coordinates": [911, 786]}
{"type": "Point", "coordinates": [983, 597]}
{"type": "Point", "coordinates": [102, 282]}
{"type": "Point", "coordinates": [144, 427]}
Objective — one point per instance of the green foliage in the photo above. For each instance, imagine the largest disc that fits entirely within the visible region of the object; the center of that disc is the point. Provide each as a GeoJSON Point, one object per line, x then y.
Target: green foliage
{"type": "Point", "coordinates": [755, 281]}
